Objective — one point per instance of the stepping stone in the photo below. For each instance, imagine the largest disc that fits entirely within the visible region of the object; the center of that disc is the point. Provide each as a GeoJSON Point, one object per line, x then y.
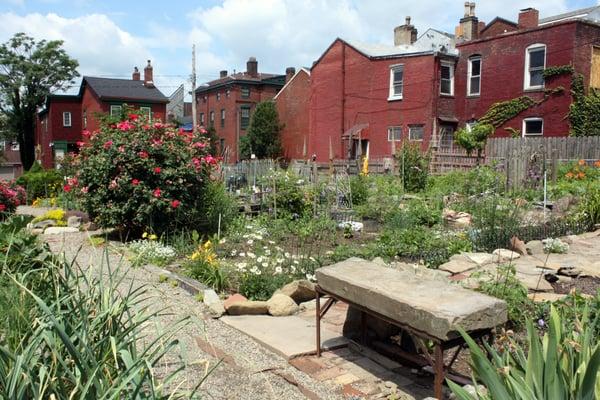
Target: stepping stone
{"type": "Point", "coordinates": [480, 258]}
{"type": "Point", "coordinates": [458, 265]}
{"type": "Point", "coordinates": [289, 336]}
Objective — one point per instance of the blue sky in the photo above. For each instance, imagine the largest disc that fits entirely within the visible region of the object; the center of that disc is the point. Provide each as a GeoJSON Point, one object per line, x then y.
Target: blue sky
{"type": "Point", "coordinates": [110, 37]}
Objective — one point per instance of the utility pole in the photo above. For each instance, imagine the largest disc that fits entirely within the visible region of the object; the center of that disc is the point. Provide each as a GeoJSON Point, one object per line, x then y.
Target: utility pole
{"type": "Point", "coordinates": [194, 116]}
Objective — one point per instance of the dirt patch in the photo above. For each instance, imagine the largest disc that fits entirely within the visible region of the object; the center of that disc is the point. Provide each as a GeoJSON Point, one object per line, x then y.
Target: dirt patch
{"type": "Point", "coordinates": [585, 285]}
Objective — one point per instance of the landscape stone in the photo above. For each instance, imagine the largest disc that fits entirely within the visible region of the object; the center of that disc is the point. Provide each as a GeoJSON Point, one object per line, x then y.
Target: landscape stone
{"type": "Point", "coordinates": [379, 261]}
{"type": "Point", "coordinates": [534, 282]}
{"type": "Point", "coordinates": [57, 230]}
{"type": "Point", "coordinates": [308, 305]}
{"type": "Point", "coordinates": [43, 224]}
{"type": "Point", "coordinates": [74, 221]}
{"type": "Point", "coordinates": [300, 291]}
{"type": "Point", "coordinates": [457, 219]}
{"type": "Point", "coordinates": [235, 298]}
{"type": "Point", "coordinates": [535, 247]}
{"type": "Point", "coordinates": [281, 305]}
{"type": "Point", "coordinates": [458, 266]}
{"type": "Point", "coordinates": [216, 309]}
{"type": "Point", "coordinates": [518, 246]}
{"type": "Point", "coordinates": [479, 258]}
{"type": "Point", "coordinates": [569, 271]}
{"type": "Point", "coordinates": [214, 303]}
{"type": "Point", "coordinates": [248, 307]}
{"type": "Point", "coordinates": [421, 270]}
{"type": "Point", "coordinates": [505, 255]}
{"type": "Point", "coordinates": [544, 297]}
{"type": "Point", "coordinates": [432, 306]}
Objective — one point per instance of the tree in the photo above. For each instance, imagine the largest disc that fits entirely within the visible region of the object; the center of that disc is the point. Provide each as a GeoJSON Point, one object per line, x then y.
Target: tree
{"type": "Point", "coordinates": [474, 139]}
{"type": "Point", "coordinates": [262, 139]}
{"type": "Point", "coordinates": [30, 71]}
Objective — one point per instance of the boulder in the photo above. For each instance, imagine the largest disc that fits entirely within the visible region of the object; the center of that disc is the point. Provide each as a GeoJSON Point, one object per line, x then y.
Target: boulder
{"type": "Point", "coordinates": [563, 204]}
{"type": "Point", "coordinates": [300, 291]}
{"type": "Point", "coordinates": [42, 224]}
{"type": "Point", "coordinates": [480, 259]}
{"type": "Point", "coordinates": [379, 261]}
{"type": "Point", "coordinates": [569, 271]}
{"type": "Point", "coordinates": [57, 230]}
{"type": "Point", "coordinates": [281, 305]}
{"type": "Point", "coordinates": [235, 298]}
{"type": "Point", "coordinates": [248, 307]}
{"type": "Point", "coordinates": [308, 305]}
{"type": "Point", "coordinates": [214, 303]}
{"type": "Point", "coordinates": [457, 219]}
{"type": "Point", "coordinates": [505, 255]}
{"type": "Point", "coordinates": [74, 221]}
{"type": "Point", "coordinates": [535, 248]}
{"type": "Point", "coordinates": [458, 265]}
{"type": "Point", "coordinates": [518, 246]}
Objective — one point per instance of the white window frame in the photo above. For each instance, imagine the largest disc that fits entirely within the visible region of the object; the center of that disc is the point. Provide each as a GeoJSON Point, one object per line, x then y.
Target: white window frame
{"type": "Point", "coordinates": [450, 65]}
{"type": "Point", "coordinates": [14, 146]}
{"type": "Point", "coordinates": [146, 111]}
{"type": "Point", "coordinates": [525, 120]}
{"type": "Point", "coordinates": [218, 96]}
{"type": "Point", "coordinates": [84, 119]}
{"type": "Point", "coordinates": [67, 119]}
{"type": "Point", "coordinates": [390, 135]}
{"type": "Point", "coordinates": [411, 127]}
{"type": "Point", "coordinates": [201, 118]}
{"type": "Point", "coordinates": [115, 109]}
{"type": "Point", "coordinates": [392, 92]}
{"type": "Point", "coordinates": [528, 51]}
{"type": "Point", "coordinates": [470, 75]}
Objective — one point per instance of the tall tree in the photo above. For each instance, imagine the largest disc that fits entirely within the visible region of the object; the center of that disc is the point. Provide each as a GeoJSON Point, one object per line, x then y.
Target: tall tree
{"type": "Point", "coordinates": [30, 71]}
{"type": "Point", "coordinates": [262, 139]}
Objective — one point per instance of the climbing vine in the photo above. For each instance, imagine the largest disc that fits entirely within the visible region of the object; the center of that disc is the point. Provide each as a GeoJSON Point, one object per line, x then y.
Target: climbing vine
{"type": "Point", "coordinates": [504, 111]}
{"type": "Point", "coordinates": [584, 111]}
{"type": "Point", "coordinates": [555, 71]}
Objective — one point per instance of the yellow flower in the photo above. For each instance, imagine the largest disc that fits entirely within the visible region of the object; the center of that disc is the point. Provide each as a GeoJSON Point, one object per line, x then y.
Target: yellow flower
{"type": "Point", "coordinates": [207, 244]}
{"type": "Point", "coordinates": [145, 235]}
{"type": "Point", "coordinates": [153, 237]}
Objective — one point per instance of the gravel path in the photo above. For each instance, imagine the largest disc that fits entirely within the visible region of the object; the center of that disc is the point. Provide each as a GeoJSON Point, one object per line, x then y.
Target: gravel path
{"type": "Point", "coordinates": [248, 370]}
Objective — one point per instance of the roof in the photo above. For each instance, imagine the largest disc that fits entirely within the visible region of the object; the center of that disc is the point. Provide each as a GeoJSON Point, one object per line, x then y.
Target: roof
{"type": "Point", "coordinates": [46, 106]}
{"type": "Point", "coordinates": [499, 19]}
{"type": "Point", "coordinates": [244, 78]}
{"type": "Point", "coordinates": [123, 89]}
{"type": "Point", "coordinates": [302, 69]}
{"type": "Point", "coordinates": [588, 14]}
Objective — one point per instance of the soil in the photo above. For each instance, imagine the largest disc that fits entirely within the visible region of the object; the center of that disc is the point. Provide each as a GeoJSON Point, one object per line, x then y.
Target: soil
{"type": "Point", "coordinates": [585, 285]}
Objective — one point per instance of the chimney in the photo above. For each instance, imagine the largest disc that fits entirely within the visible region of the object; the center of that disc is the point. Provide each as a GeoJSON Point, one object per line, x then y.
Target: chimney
{"type": "Point", "coordinates": [405, 34]}
{"type": "Point", "coordinates": [136, 74]}
{"type": "Point", "coordinates": [289, 73]}
{"type": "Point", "coordinates": [469, 24]}
{"type": "Point", "coordinates": [252, 67]}
{"type": "Point", "coordinates": [148, 80]}
{"type": "Point", "coordinates": [223, 73]}
{"type": "Point", "coordinates": [528, 18]}
{"type": "Point", "coordinates": [480, 27]}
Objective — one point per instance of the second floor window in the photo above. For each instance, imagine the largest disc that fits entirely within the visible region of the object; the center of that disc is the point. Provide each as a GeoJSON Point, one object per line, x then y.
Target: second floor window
{"type": "Point", "coordinates": [245, 92]}
{"type": "Point", "coordinates": [222, 117]}
{"type": "Point", "coordinates": [67, 119]}
{"type": "Point", "coordinates": [115, 111]}
{"type": "Point", "coordinates": [84, 119]}
{"type": "Point", "coordinates": [474, 79]}
{"type": "Point", "coordinates": [394, 133]}
{"type": "Point", "coordinates": [218, 96]}
{"type": "Point", "coordinates": [244, 117]}
{"type": "Point", "coordinates": [146, 112]}
{"type": "Point", "coordinates": [535, 63]}
{"type": "Point", "coordinates": [212, 118]}
{"type": "Point", "coordinates": [201, 118]}
{"type": "Point", "coordinates": [396, 82]}
{"type": "Point", "coordinates": [447, 79]}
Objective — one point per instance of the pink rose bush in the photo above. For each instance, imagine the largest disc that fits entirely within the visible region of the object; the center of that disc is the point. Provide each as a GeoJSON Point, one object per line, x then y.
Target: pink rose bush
{"type": "Point", "coordinates": [11, 196]}
{"type": "Point", "coordinates": [139, 177]}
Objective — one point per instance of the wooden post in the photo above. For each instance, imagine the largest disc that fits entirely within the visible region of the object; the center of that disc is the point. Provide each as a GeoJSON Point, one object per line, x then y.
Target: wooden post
{"type": "Point", "coordinates": [438, 368]}
{"type": "Point", "coordinates": [318, 322]}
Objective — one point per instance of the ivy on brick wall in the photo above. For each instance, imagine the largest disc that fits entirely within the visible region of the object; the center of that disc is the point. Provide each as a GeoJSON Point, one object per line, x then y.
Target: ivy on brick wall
{"type": "Point", "coordinates": [584, 111]}
{"type": "Point", "coordinates": [504, 111]}
{"type": "Point", "coordinates": [557, 70]}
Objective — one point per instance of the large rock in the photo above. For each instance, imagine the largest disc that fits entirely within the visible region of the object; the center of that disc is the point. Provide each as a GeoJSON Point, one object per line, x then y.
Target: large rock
{"type": "Point", "coordinates": [74, 221]}
{"type": "Point", "coordinates": [214, 303]}
{"type": "Point", "coordinates": [535, 248]}
{"type": "Point", "coordinates": [505, 255]}
{"type": "Point", "coordinates": [432, 306]}
{"type": "Point", "coordinates": [458, 265]}
{"type": "Point", "coordinates": [248, 307]}
{"type": "Point", "coordinates": [518, 246]}
{"type": "Point", "coordinates": [234, 298]}
{"type": "Point", "coordinates": [300, 291]}
{"type": "Point", "coordinates": [480, 259]}
{"type": "Point", "coordinates": [457, 219]}
{"type": "Point", "coordinates": [57, 230]}
{"type": "Point", "coordinates": [281, 305]}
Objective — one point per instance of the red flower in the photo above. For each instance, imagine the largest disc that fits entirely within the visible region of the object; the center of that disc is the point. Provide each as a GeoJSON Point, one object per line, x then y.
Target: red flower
{"type": "Point", "coordinates": [85, 133]}
{"type": "Point", "coordinates": [158, 125]}
{"type": "Point", "coordinates": [143, 154]}
{"type": "Point", "coordinates": [175, 203]}
{"type": "Point", "coordinates": [157, 192]}
{"type": "Point", "coordinates": [125, 126]}
{"type": "Point", "coordinates": [108, 144]}
{"type": "Point", "coordinates": [80, 143]}
{"type": "Point", "coordinates": [72, 181]}
{"type": "Point", "coordinates": [203, 131]}
{"type": "Point", "coordinates": [157, 170]}
{"type": "Point", "coordinates": [133, 117]}
{"type": "Point", "coordinates": [67, 188]}
{"type": "Point", "coordinates": [135, 182]}
{"type": "Point", "coordinates": [2, 207]}
{"type": "Point", "coordinates": [199, 145]}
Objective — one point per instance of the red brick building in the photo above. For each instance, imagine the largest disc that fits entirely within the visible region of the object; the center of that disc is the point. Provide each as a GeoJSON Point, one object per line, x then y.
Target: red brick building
{"type": "Point", "coordinates": [366, 99]}
{"type": "Point", "coordinates": [228, 102]}
{"type": "Point", "coordinates": [506, 60]}
{"type": "Point", "coordinates": [293, 108]}
{"type": "Point", "coordinates": [63, 118]}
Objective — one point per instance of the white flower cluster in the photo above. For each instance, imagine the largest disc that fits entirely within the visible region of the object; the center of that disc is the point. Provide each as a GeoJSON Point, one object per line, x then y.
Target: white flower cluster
{"type": "Point", "coordinates": [151, 251]}
{"type": "Point", "coordinates": [556, 246]}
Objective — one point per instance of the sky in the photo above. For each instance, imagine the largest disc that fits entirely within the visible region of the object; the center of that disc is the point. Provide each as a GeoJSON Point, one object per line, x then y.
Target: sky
{"type": "Point", "coordinates": [110, 37]}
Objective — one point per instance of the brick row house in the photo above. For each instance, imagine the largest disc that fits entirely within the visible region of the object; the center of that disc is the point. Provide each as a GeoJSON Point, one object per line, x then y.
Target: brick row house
{"type": "Point", "coordinates": [227, 103]}
{"type": "Point", "coordinates": [63, 118]}
{"type": "Point", "coordinates": [366, 99]}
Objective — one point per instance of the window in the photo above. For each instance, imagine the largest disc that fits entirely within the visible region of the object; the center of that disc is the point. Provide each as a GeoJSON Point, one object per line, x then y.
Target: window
{"type": "Point", "coordinates": [244, 117]}
{"type": "Point", "coordinates": [535, 63]}
{"type": "Point", "coordinates": [212, 118]}
{"type": "Point", "coordinates": [227, 93]}
{"type": "Point", "coordinates": [394, 133]}
{"type": "Point", "coordinates": [202, 119]}
{"type": "Point", "coordinates": [474, 78]}
{"type": "Point", "coordinates": [533, 127]}
{"type": "Point", "coordinates": [218, 96]}
{"type": "Point", "coordinates": [447, 79]}
{"type": "Point", "coordinates": [222, 145]}
{"type": "Point", "coordinates": [446, 136]}
{"type": "Point", "coordinates": [396, 82]}
{"type": "Point", "coordinates": [66, 119]}
{"type": "Point", "coordinates": [595, 72]}
{"type": "Point", "coordinates": [146, 112]}
{"type": "Point", "coordinates": [84, 119]}
{"type": "Point", "coordinates": [415, 132]}
{"type": "Point", "coordinates": [204, 99]}
{"type": "Point", "coordinates": [115, 111]}
{"type": "Point", "coordinates": [222, 117]}
{"type": "Point", "coordinates": [245, 92]}
{"type": "Point", "coordinates": [14, 146]}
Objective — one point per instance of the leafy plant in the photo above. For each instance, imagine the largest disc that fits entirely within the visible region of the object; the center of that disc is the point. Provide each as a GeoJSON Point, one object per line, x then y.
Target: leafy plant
{"type": "Point", "coordinates": [203, 265]}
{"type": "Point", "coordinates": [474, 139]}
{"type": "Point", "coordinates": [263, 136]}
{"type": "Point", "coordinates": [564, 364]}
{"type": "Point", "coordinates": [151, 251]}
{"type": "Point", "coordinates": [414, 166]}
{"type": "Point", "coordinates": [11, 196]}
{"type": "Point", "coordinates": [40, 183]}
{"type": "Point", "coordinates": [359, 189]}
{"type": "Point", "coordinates": [590, 205]}
{"type": "Point", "coordinates": [555, 246]}
{"type": "Point", "coordinates": [286, 194]}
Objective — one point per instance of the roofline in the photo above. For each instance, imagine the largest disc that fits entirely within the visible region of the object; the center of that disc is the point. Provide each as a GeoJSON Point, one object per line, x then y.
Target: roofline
{"type": "Point", "coordinates": [302, 69]}
{"type": "Point", "coordinates": [523, 31]}
{"type": "Point", "coordinates": [136, 99]}
{"type": "Point", "coordinates": [509, 22]}
{"type": "Point", "coordinates": [265, 81]}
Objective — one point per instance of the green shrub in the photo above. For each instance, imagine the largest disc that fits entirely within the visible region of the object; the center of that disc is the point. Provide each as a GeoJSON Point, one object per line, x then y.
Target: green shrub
{"type": "Point", "coordinates": [590, 205]}
{"type": "Point", "coordinates": [221, 208]}
{"type": "Point", "coordinates": [286, 194]}
{"type": "Point", "coordinates": [135, 176]}
{"type": "Point", "coordinates": [359, 188]}
{"type": "Point", "coordinates": [414, 166]}
{"type": "Point", "coordinates": [495, 221]}
{"type": "Point", "coordinates": [482, 179]}
{"type": "Point", "coordinates": [40, 182]}
{"type": "Point", "coordinates": [204, 266]}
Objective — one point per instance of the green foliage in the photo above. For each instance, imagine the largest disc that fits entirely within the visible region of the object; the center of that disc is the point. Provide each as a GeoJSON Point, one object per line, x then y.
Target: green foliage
{"type": "Point", "coordinates": [359, 188]}
{"type": "Point", "coordinates": [287, 195]}
{"type": "Point", "coordinates": [30, 71]}
{"type": "Point", "coordinates": [263, 136]}
{"type": "Point", "coordinates": [261, 287]}
{"type": "Point", "coordinates": [551, 72]}
{"type": "Point", "coordinates": [135, 176]}
{"type": "Point", "coordinates": [482, 179]}
{"type": "Point", "coordinates": [40, 182]}
{"type": "Point", "coordinates": [384, 195]}
{"type": "Point", "coordinates": [218, 204]}
{"type": "Point", "coordinates": [501, 112]}
{"type": "Point", "coordinates": [414, 166]}
{"type": "Point", "coordinates": [474, 139]}
{"type": "Point", "coordinates": [504, 285]}
{"type": "Point", "coordinates": [584, 111]}
{"type": "Point", "coordinates": [562, 365]}
{"type": "Point", "coordinates": [204, 266]}
{"type": "Point", "coordinates": [415, 212]}
{"type": "Point", "coordinates": [590, 205]}
{"type": "Point", "coordinates": [495, 221]}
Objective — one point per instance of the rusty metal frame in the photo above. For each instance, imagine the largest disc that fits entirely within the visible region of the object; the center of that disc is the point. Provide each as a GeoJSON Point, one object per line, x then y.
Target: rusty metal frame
{"type": "Point", "coordinates": [434, 363]}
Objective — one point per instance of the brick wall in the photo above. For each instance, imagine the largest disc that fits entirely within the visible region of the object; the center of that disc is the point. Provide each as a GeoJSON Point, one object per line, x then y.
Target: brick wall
{"type": "Point", "coordinates": [292, 107]}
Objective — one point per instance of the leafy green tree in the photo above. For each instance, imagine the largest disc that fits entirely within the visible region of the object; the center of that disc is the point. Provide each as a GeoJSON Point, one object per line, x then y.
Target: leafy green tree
{"type": "Point", "coordinates": [30, 71]}
{"type": "Point", "coordinates": [475, 139]}
{"type": "Point", "coordinates": [263, 137]}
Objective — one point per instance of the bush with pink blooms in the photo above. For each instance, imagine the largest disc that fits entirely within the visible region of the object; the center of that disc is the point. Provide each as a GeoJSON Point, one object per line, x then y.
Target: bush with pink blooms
{"type": "Point", "coordinates": [138, 176]}
{"type": "Point", "coordinates": [11, 195]}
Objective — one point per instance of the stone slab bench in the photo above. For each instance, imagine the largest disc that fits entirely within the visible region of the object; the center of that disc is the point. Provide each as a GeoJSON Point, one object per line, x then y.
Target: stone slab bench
{"type": "Point", "coordinates": [427, 309]}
